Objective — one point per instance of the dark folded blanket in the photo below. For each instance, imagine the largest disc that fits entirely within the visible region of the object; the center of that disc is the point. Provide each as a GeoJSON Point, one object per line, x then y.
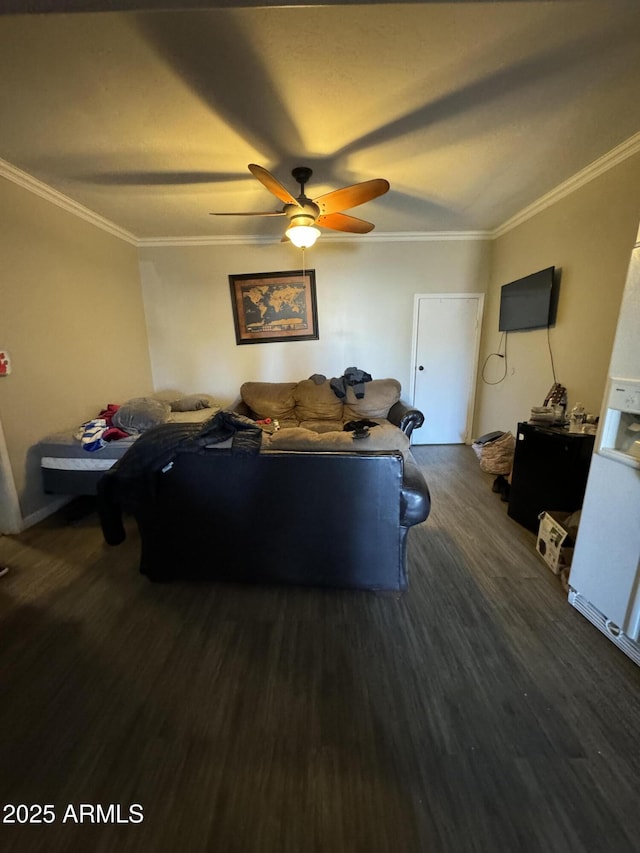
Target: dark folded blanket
{"type": "Point", "coordinates": [358, 426]}
{"type": "Point", "coordinates": [130, 483]}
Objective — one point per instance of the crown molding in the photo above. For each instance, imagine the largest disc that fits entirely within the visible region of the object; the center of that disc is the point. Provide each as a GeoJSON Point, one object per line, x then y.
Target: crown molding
{"type": "Point", "coordinates": [252, 240]}
{"type": "Point", "coordinates": [227, 240]}
{"type": "Point", "coordinates": [612, 158]}
{"type": "Point", "coordinates": [17, 176]}
{"type": "Point", "coordinates": [608, 161]}
{"type": "Point", "coordinates": [414, 236]}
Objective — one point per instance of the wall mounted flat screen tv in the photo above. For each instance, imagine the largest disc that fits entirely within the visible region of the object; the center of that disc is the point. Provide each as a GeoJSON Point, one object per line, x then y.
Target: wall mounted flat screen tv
{"type": "Point", "coordinates": [529, 302]}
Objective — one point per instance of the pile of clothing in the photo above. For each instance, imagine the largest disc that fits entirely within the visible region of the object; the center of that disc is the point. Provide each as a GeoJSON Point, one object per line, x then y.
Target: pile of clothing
{"type": "Point", "coordinates": [94, 434]}
{"type": "Point", "coordinates": [353, 377]}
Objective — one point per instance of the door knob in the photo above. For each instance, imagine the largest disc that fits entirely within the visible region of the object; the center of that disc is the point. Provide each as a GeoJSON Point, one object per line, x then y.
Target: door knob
{"type": "Point", "coordinates": [420, 367]}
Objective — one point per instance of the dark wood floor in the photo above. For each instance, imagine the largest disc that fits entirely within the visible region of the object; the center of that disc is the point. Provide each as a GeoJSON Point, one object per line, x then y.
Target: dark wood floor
{"type": "Point", "coordinates": [476, 712]}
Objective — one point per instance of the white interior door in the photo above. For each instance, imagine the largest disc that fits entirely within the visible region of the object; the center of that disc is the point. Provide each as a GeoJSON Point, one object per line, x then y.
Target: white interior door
{"type": "Point", "coordinates": [445, 364]}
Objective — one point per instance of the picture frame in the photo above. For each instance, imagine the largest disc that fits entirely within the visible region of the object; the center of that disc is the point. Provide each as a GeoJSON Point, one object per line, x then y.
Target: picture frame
{"type": "Point", "coordinates": [270, 307]}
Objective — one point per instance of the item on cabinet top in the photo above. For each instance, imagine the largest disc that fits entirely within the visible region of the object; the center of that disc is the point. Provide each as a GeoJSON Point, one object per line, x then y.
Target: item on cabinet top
{"type": "Point", "coordinates": [557, 394]}
{"type": "Point", "coordinates": [557, 400]}
{"type": "Point", "coordinates": [542, 415]}
{"type": "Point", "coordinates": [559, 414]}
{"type": "Point", "coordinates": [577, 418]}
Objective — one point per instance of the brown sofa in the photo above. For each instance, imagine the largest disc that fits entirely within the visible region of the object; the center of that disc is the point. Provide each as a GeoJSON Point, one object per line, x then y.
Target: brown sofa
{"type": "Point", "coordinates": [314, 406]}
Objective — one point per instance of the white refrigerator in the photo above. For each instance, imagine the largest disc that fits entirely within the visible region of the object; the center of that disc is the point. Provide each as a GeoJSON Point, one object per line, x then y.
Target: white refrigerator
{"type": "Point", "coordinates": [604, 583]}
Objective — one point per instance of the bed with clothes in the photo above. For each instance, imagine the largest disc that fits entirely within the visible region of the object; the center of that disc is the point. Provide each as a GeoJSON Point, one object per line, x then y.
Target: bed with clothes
{"type": "Point", "coordinates": [73, 461]}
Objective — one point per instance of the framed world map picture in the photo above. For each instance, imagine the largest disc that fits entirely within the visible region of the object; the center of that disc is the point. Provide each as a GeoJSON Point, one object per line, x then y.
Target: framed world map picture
{"type": "Point", "coordinates": [274, 306]}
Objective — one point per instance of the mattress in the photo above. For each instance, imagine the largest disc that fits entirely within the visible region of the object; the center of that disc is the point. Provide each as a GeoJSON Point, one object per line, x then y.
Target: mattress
{"type": "Point", "coordinates": [68, 469]}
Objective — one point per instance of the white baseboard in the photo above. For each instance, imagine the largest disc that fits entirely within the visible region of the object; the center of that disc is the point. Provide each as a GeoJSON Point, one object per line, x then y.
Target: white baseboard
{"type": "Point", "coordinates": [44, 512]}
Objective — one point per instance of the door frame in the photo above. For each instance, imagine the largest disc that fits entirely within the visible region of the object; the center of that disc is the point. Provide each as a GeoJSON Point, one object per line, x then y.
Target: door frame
{"type": "Point", "coordinates": [476, 359]}
{"type": "Point", "coordinates": [10, 514]}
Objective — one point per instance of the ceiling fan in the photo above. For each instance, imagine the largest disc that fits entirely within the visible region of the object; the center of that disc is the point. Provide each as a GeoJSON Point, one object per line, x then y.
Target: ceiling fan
{"type": "Point", "coordinates": [306, 214]}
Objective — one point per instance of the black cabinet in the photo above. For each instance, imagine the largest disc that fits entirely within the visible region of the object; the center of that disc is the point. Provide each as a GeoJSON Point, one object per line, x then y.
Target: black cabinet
{"type": "Point", "coordinates": [550, 469]}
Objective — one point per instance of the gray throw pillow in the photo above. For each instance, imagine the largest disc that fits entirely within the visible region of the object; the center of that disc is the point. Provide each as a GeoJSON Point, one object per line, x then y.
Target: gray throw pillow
{"type": "Point", "coordinates": [193, 402]}
{"type": "Point", "coordinates": [140, 414]}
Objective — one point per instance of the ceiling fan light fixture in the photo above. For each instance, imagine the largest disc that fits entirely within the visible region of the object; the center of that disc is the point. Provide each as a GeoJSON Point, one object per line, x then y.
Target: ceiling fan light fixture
{"type": "Point", "coordinates": [305, 214]}
{"type": "Point", "coordinates": [303, 236]}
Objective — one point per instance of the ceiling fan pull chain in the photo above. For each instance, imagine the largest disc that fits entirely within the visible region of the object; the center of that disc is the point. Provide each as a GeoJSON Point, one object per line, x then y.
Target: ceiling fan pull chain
{"type": "Point", "coordinates": [303, 267]}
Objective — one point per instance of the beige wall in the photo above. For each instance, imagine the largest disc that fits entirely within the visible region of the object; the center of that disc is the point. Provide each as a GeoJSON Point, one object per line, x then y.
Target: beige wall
{"type": "Point", "coordinates": [589, 235]}
{"type": "Point", "coordinates": [365, 309]}
{"type": "Point", "coordinates": [72, 318]}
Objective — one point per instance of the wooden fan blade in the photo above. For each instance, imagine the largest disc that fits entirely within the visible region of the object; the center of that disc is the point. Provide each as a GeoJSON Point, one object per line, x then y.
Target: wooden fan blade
{"type": "Point", "coordinates": [268, 213]}
{"type": "Point", "coordinates": [343, 222]}
{"type": "Point", "coordinates": [347, 197]}
{"type": "Point", "coordinates": [273, 185]}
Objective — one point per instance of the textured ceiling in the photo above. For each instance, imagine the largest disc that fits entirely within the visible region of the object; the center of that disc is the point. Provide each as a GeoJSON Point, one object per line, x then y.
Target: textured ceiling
{"type": "Point", "coordinates": [472, 110]}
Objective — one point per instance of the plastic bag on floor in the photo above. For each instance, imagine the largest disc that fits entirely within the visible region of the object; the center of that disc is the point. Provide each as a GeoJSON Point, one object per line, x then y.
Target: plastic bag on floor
{"type": "Point", "coordinates": [497, 456]}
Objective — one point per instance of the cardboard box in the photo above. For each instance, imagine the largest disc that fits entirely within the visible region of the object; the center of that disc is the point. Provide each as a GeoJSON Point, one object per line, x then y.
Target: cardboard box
{"type": "Point", "coordinates": [557, 538]}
